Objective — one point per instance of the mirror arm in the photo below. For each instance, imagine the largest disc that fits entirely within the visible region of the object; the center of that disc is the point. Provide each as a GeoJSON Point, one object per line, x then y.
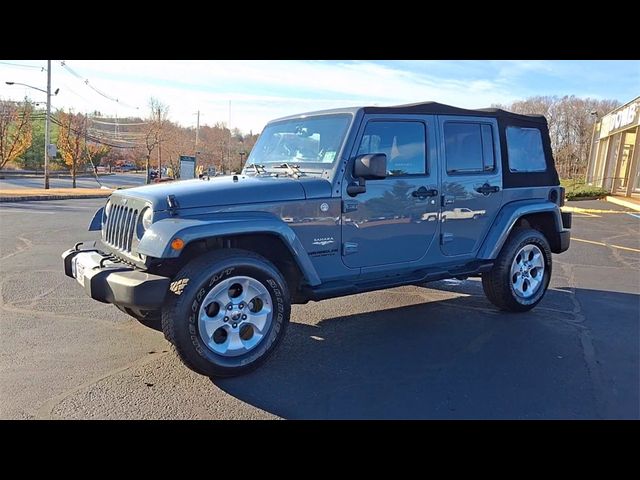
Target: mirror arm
{"type": "Point", "coordinates": [354, 189]}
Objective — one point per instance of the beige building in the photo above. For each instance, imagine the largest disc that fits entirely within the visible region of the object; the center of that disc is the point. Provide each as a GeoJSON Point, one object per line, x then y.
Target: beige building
{"type": "Point", "coordinates": [615, 148]}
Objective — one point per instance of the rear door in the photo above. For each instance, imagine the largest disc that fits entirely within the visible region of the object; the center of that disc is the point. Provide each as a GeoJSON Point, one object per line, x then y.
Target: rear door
{"type": "Point", "coordinates": [471, 181]}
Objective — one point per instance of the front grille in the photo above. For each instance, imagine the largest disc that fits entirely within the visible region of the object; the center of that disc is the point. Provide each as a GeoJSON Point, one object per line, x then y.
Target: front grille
{"type": "Point", "coordinates": [120, 227]}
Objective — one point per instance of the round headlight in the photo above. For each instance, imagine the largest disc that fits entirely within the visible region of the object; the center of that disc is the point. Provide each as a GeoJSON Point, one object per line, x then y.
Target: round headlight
{"type": "Point", "coordinates": [144, 221]}
{"type": "Point", "coordinates": [147, 218]}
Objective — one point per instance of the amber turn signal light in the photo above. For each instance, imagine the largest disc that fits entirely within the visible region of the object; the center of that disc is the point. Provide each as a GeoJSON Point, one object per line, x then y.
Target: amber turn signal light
{"type": "Point", "coordinates": [177, 244]}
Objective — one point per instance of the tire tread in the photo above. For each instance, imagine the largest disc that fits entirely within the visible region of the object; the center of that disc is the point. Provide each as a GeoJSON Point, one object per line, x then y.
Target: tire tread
{"type": "Point", "coordinates": [496, 289]}
{"type": "Point", "coordinates": [174, 303]}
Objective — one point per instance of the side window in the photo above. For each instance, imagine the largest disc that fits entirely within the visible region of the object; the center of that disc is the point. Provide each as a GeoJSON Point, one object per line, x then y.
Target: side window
{"type": "Point", "coordinates": [524, 146]}
{"type": "Point", "coordinates": [468, 147]}
{"type": "Point", "coordinates": [404, 143]}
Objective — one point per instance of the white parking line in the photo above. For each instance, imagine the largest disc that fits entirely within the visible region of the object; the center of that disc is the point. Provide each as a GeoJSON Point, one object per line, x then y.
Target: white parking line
{"type": "Point", "coordinates": [38, 206]}
{"type": "Point", "coordinates": [602, 244]}
{"type": "Point", "coordinates": [637, 215]}
{"type": "Point", "coordinates": [18, 210]}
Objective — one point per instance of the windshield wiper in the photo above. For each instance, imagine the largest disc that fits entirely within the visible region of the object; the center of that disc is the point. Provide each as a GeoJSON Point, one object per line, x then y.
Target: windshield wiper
{"type": "Point", "coordinates": [293, 170]}
{"type": "Point", "coordinates": [257, 167]}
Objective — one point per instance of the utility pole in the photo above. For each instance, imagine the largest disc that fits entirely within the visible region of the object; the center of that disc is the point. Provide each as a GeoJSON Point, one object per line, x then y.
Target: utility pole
{"type": "Point", "coordinates": [197, 130]}
{"type": "Point", "coordinates": [46, 128]}
{"type": "Point", "coordinates": [222, 156]}
{"type": "Point", "coordinates": [86, 147]}
{"type": "Point", "coordinates": [229, 142]}
{"type": "Point", "coordinates": [159, 148]}
{"type": "Point", "coordinates": [195, 151]}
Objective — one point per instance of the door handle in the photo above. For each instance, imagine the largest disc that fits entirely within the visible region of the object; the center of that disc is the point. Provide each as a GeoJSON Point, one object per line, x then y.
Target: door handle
{"type": "Point", "coordinates": [423, 193]}
{"type": "Point", "coordinates": [486, 189]}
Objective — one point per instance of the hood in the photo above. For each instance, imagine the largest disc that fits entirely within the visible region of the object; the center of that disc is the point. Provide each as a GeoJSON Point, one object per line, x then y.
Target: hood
{"type": "Point", "coordinates": [219, 191]}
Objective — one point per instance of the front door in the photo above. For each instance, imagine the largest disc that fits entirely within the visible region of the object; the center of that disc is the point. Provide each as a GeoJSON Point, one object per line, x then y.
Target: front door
{"type": "Point", "coordinates": [396, 219]}
{"type": "Point", "coordinates": [471, 181]}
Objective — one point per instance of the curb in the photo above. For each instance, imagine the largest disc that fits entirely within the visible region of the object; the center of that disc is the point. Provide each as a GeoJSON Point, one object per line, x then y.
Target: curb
{"type": "Point", "coordinates": [579, 199]}
{"type": "Point", "coordinates": [623, 203]}
{"type": "Point", "coordinates": [49, 197]}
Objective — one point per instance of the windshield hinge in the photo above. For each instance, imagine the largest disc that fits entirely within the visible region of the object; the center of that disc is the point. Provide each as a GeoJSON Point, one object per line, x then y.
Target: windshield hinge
{"type": "Point", "coordinates": [173, 204]}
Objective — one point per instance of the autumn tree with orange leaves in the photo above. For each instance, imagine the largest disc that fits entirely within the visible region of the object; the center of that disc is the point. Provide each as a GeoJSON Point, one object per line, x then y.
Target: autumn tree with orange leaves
{"type": "Point", "coordinates": [74, 146]}
{"type": "Point", "coordinates": [15, 130]}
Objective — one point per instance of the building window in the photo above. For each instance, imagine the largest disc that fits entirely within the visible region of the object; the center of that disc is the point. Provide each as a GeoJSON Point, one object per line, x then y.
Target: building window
{"type": "Point", "coordinates": [404, 143]}
{"type": "Point", "coordinates": [468, 147]}
{"type": "Point", "coordinates": [525, 150]}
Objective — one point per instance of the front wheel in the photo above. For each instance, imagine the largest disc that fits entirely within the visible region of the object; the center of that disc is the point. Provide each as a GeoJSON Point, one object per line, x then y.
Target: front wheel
{"type": "Point", "coordinates": [226, 311]}
{"type": "Point", "coordinates": [520, 277]}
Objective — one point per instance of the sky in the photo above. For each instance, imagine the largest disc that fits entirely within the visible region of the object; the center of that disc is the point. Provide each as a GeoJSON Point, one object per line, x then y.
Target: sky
{"type": "Point", "coordinates": [246, 94]}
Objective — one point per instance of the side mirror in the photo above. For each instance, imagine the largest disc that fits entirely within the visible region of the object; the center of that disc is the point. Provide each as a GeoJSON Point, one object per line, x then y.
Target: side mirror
{"type": "Point", "coordinates": [372, 166]}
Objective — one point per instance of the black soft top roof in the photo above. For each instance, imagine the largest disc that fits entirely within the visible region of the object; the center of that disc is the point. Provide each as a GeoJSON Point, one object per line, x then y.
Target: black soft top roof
{"type": "Point", "coordinates": [435, 108]}
{"type": "Point", "coordinates": [427, 108]}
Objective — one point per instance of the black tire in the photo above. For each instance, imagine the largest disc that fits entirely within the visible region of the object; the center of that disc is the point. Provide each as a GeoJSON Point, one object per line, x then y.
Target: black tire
{"type": "Point", "coordinates": [188, 290]}
{"type": "Point", "coordinates": [497, 282]}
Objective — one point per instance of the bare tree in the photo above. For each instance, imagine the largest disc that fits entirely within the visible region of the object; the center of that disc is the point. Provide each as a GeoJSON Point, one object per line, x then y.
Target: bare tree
{"type": "Point", "coordinates": [178, 141]}
{"type": "Point", "coordinates": [156, 127]}
{"type": "Point", "coordinates": [15, 130]}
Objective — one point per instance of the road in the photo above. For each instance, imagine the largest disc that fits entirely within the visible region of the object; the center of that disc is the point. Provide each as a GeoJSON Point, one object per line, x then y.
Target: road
{"type": "Point", "coordinates": [112, 181]}
{"type": "Point", "coordinates": [441, 352]}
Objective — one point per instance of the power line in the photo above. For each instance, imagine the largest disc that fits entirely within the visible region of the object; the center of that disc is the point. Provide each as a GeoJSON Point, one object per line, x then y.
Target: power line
{"type": "Point", "coordinates": [120, 124]}
{"type": "Point", "coordinates": [93, 139]}
{"type": "Point", "coordinates": [77, 132]}
{"type": "Point", "coordinates": [86, 82]}
{"type": "Point", "coordinates": [69, 89]}
{"type": "Point", "coordinates": [23, 66]}
{"type": "Point", "coordinates": [119, 134]}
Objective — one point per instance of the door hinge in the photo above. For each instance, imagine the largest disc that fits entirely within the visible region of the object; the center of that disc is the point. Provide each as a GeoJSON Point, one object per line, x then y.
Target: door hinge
{"type": "Point", "coordinates": [349, 248]}
{"type": "Point", "coordinates": [349, 206]}
{"type": "Point", "coordinates": [446, 238]}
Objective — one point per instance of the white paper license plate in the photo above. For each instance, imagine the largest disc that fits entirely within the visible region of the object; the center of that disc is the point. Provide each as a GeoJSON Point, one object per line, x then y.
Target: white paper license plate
{"type": "Point", "coordinates": [78, 270]}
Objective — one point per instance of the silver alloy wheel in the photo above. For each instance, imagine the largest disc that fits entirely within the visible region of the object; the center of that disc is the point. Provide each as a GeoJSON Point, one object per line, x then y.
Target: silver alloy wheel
{"type": "Point", "coordinates": [527, 271]}
{"type": "Point", "coordinates": [235, 316]}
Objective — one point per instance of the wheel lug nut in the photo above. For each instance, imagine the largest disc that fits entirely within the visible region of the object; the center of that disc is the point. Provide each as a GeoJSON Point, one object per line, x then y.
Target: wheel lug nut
{"type": "Point", "coordinates": [241, 305]}
{"type": "Point", "coordinates": [226, 319]}
{"type": "Point", "coordinates": [229, 307]}
{"type": "Point", "coordinates": [235, 325]}
{"type": "Point", "coordinates": [244, 317]}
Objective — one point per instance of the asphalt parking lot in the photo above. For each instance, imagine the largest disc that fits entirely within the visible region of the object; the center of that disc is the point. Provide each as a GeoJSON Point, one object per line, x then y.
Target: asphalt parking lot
{"type": "Point", "coordinates": [441, 352]}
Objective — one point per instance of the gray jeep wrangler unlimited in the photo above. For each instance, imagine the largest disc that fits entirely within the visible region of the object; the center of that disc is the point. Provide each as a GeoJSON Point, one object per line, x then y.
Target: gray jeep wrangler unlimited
{"type": "Point", "coordinates": [331, 203]}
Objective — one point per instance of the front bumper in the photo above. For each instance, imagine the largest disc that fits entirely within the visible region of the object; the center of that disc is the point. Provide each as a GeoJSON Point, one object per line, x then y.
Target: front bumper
{"type": "Point", "coordinates": [112, 282]}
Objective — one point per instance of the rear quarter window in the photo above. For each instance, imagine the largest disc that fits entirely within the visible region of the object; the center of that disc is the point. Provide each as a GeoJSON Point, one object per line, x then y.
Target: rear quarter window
{"type": "Point", "coordinates": [524, 146]}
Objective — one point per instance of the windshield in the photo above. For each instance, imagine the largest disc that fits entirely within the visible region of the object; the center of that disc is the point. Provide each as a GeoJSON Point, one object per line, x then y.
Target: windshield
{"type": "Point", "coordinates": [302, 141]}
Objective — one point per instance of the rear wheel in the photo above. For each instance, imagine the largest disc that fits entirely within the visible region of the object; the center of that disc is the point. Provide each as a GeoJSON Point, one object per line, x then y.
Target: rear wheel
{"type": "Point", "coordinates": [520, 277]}
{"type": "Point", "coordinates": [226, 312]}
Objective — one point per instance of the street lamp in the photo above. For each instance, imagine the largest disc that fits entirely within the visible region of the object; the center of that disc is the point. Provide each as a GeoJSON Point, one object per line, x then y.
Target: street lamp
{"type": "Point", "coordinates": [31, 86]}
{"type": "Point", "coordinates": [47, 119]}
